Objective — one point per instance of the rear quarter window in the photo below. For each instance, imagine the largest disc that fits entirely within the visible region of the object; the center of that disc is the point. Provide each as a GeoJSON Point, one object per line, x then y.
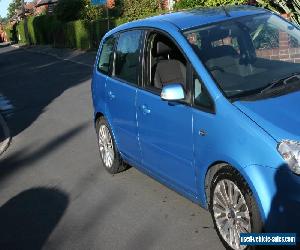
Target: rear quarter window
{"type": "Point", "coordinates": [106, 55]}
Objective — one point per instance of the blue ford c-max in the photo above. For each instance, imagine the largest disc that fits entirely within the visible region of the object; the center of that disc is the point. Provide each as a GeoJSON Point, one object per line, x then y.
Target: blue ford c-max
{"type": "Point", "coordinates": [207, 102]}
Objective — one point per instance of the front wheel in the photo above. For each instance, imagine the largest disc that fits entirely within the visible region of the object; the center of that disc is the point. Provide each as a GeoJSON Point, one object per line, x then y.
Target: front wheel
{"type": "Point", "coordinates": [233, 208]}
{"type": "Point", "coordinates": [109, 154]}
{"type": "Point", "coordinates": [5, 137]}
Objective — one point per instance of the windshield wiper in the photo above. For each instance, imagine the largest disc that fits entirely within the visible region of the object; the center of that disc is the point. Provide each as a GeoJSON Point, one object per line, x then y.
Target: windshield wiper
{"type": "Point", "coordinates": [283, 81]}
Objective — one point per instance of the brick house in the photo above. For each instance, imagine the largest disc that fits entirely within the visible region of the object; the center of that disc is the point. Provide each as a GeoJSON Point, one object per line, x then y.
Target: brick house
{"type": "Point", "coordinates": [168, 4]}
{"type": "Point", "coordinates": [285, 51]}
{"type": "Point", "coordinates": [43, 6]}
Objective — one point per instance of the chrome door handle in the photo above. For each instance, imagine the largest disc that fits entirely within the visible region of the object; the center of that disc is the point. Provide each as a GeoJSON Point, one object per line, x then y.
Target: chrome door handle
{"type": "Point", "coordinates": [202, 132]}
{"type": "Point", "coordinates": [145, 110]}
{"type": "Point", "coordinates": [111, 95]}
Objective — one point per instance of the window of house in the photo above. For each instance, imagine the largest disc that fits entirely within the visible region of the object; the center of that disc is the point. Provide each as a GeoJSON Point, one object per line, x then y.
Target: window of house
{"type": "Point", "coordinates": [127, 56]}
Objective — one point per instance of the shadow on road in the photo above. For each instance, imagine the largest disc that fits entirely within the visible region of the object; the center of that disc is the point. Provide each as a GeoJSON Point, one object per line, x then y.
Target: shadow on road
{"type": "Point", "coordinates": [28, 219]}
{"type": "Point", "coordinates": [32, 81]}
{"type": "Point", "coordinates": [21, 158]}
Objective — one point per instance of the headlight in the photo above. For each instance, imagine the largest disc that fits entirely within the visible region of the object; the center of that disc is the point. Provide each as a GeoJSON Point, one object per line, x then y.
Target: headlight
{"type": "Point", "coordinates": [290, 151]}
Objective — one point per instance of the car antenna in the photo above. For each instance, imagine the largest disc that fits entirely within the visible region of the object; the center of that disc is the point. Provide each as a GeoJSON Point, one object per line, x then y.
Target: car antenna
{"type": "Point", "coordinates": [225, 10]}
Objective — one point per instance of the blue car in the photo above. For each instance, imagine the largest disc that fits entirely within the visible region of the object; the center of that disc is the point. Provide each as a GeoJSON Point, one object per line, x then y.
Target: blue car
{"type": "Point", "coordinates": [207, 102]}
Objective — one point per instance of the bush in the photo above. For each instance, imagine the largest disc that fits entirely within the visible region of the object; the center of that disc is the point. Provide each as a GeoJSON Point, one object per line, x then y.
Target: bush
{"type": "Point", "coordinates": [21, 32]}
{"type": "Point", "coordinates": [184, 4]}
{"type": "Point", "coordinates": [11, 32]}
{"type": "Point", "coordinates": [136, 9]}
{"type": "Point", "coordinates": [79, 34]}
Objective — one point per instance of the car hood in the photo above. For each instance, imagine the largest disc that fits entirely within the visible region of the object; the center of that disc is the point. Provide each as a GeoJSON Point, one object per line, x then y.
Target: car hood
{"type": "Point", "coordinates": [279, 116]}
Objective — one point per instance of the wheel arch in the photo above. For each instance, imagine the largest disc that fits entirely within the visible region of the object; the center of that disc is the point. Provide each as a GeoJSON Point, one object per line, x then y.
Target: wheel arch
{"type": "Point", "coordinates": [97, 116]}
{"type": "Point", "coordinates": [210, 173]}
{"type": "Point", "coordinates": [216, 166]}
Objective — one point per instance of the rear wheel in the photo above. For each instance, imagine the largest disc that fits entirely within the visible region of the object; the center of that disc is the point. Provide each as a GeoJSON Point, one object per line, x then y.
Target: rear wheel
{"type": "Point", "coordinates": [109, 154]}
{"type": "Point", "coordinates": [233, 208]}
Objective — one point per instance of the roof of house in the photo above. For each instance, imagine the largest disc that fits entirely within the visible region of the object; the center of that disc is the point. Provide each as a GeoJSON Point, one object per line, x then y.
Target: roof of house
{"type": "Point", "coordinates": [45, 2]}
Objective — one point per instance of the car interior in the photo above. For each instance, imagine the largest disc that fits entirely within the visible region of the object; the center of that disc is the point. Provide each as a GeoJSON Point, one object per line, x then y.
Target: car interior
{"type": "Point", "coordinates": [166, 64]}
{"type": "Point", "coordinates": [235, 66]}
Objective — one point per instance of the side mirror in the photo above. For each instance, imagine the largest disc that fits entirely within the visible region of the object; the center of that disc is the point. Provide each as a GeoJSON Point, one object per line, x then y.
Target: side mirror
{"type": "Point", "coordinates": [172, 92]}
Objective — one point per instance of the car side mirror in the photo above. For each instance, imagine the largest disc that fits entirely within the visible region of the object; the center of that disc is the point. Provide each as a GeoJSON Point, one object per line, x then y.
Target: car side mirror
{"type": "Point", "coordinates": [172, 92]}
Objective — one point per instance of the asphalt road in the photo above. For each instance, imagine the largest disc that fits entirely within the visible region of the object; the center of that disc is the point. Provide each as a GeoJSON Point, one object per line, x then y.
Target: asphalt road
{"type": "Point", "coordinates": [54, 193]}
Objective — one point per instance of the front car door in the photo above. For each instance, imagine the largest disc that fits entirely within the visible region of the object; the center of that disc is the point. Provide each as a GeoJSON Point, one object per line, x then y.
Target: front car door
{"type": "Point", "coordinates": [165, 129]}
{"type": "Point", "coordinates": [121, 93]}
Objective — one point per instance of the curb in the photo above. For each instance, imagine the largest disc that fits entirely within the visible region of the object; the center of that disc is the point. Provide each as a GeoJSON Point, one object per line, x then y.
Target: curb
{"type": "Point", "coordinates": [4, 145]}
{"type": "Point", "coordinates": [53, 55]}
{"type": "Point", "coordinates": [5, 44]}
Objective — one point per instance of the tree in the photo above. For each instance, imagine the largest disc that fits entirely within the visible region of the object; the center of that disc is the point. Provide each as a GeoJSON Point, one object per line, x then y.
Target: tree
{"type": "Point", "coordinates": [290, 7]}
{"type": "Point", "coordinates": [69, 10]}
{"type": "Point", "coordinates": [91, 12]}
{"type": "Point", "coordinates": [3, 20]}
{"type": "Point", "coordinates": [135, 9]}
{"type": "Point", "coordinates": [12, 7]}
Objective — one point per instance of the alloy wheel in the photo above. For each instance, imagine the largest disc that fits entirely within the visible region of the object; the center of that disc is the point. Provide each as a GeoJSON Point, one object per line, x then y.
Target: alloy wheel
{"type": "Point", "coordinates": [231, 213]}
{"type": "Point", "coordinates": [106, 146]}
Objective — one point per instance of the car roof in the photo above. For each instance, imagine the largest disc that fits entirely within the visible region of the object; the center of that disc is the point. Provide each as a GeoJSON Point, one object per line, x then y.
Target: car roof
{"type": "Point", "coordinates": [187, 19]}
{"type": "Point", "coordinates": [201, 16]}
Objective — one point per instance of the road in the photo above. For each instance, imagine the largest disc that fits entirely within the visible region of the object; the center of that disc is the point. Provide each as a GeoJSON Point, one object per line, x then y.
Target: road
{"type": "Point", "coordinates": [54, 193]}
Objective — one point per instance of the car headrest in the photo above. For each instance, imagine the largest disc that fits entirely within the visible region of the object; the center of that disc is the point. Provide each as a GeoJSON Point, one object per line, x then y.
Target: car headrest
{"type": "Point", "coordinates": [162, 49]}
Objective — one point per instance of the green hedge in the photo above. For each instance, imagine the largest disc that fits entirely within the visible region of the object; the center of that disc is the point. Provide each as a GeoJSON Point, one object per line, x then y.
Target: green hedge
{"type": "Point", "coordinates": [184, 4]}
{"type": "Point", "coordinates": [11, 32]}
{"type": "Point", "coordinates": [48, 30]}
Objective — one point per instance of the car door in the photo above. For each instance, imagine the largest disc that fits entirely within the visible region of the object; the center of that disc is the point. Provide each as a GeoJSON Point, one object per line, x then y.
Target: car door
{"type": "Point", "coordinates": [166, 137]}
{"type": "Point", "coordinates": [121, 93]}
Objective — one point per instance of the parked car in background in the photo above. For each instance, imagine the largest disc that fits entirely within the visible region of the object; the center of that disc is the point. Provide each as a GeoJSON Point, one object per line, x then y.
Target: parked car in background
{"type": "Point", "coordinates": [207, 101]}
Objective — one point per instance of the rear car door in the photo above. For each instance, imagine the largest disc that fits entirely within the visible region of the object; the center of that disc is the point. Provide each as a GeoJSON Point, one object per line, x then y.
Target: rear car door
{"type": "Point", "coordinates": [121, 93]}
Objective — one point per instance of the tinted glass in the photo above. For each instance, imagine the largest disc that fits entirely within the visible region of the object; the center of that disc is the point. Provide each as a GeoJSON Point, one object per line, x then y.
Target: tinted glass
{"type": "Point", "coordinates": [201, 97]}
{"type": "Point", "coordinates": [127, 56]}
{"type": "Point", "coordinates": [247, 55]}
{"type": "Point", "coordinates": [106, 55]}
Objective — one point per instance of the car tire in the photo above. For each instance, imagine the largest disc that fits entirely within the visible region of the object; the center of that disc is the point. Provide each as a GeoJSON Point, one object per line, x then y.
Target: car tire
{"type": "Point", "coordinates": [5, 137]}
{"type": "Point", "coordinates": [239, 211]}
{"type": "Point", "coordinates": [109, 154]}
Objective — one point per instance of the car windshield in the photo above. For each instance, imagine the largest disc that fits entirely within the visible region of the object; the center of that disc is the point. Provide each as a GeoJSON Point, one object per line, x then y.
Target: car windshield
{"type": "Point", "coordinates": [249, 55]}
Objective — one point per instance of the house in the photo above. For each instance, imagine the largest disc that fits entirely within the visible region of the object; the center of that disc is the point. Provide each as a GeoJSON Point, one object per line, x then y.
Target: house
{"type": "Point", "coordinates": [45, 5]}
{"type": "Point", "coordinates": [168, 4]}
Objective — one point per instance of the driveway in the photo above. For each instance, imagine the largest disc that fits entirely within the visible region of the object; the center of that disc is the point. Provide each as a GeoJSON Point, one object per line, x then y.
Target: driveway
{"type": "Point", "coordinates": [54, 193]}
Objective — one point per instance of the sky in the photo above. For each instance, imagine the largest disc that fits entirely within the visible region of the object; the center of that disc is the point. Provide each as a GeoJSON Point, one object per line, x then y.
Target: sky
{"type": "Point", "coordinates": [3, 7]}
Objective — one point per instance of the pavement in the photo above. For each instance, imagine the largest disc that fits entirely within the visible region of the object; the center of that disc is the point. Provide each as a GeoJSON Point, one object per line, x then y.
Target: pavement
{"type": "Point", "coordinates": [4, 44]}
{"type": "Point", "coordinates": [86, 58]}
{"type": "Point", "coordinates": [54, 193]}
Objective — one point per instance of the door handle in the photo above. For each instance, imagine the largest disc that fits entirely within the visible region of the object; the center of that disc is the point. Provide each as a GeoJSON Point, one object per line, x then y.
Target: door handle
{"type": "Point", "coordinates": [111, 95]}
{"type": "Point", "coordinates": [202, 132]}
{"type": "Point", "coordinates": [145, 110]}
